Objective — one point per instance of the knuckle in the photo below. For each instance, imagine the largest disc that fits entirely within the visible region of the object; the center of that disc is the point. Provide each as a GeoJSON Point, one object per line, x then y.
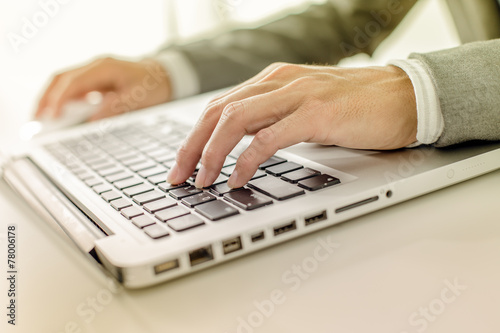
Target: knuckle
{"type": "Point", "coordinates": [182, 153]}
{"type": "Point", "coordinates": [248, 157]}
{"type": "Point", "coordinates": [286, 68]}
{"type": "Point", "coordinates": [280, 70]}
{"type": "Point", "coordinates": [105, 59]}
{"type": "Point", "coordinates": [313, 103]}
{"type": "Point", "coordinates": [210, 156]}
{"type": "Point", "coordinates": [213, 110]}
{"type": "Point", "coordinates": [275, 65]}
{"type": "Point", "coordinates": [232, 110]}
{"type": "Point", "coordinates": [265, 138]}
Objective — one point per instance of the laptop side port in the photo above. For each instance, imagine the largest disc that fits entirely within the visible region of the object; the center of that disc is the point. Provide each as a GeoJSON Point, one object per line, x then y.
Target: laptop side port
{"type": "Point", "coordinates": [231, 245]}
{"type": "Point", "coordinates": [166, 266]}
{"type": "Point", "coordinates": [316, 218]}
{"type": "Point", "coordinates": [201, 255]}
{"type": "Point", "coordinates": [285, 228]}
{"type": "Point", "coordinates": [257, 237]}
{"type": "Point", "coordinates": [356, 204]}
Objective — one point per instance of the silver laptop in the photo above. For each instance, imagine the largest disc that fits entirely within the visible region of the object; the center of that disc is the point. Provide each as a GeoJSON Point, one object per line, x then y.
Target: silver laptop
{"type": "Point", "coordinates": [103, 186]}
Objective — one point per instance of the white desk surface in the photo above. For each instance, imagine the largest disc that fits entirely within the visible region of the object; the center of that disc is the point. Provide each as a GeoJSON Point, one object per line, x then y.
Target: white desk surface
{"type": "Point", "coordinates": [393, 271]}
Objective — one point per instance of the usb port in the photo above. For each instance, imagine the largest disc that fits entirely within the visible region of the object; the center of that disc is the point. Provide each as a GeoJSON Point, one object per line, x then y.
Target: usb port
{"type": "Point", "coordinates": [316, 218]}
{"type": "Point", "coordinates": [257, 237]}
{"type": "Point", "coordinates": [201, 255]}
{"type": "Point", "coordinates": [285, 228]}
{"type": "Point", "coordinates": [231, 245]}
{"type": "Point", "coordinates": [166, 266]}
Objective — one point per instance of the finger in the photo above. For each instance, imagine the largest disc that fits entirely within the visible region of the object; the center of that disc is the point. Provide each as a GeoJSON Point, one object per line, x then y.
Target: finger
{"type": "Point", "coordinates": [285, 133]}
{"type": "Point", "coordinates": [191, 150]}
{"type": "Point", "coordinates": [238, 119]}
{"type": "Point", "coordinates": [42, 104]}
{"type": "Point", "coordinates": [77, 83]}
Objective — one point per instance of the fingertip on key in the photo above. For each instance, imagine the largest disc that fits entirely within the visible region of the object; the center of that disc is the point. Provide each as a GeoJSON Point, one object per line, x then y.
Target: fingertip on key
{"type": "Point", "coordinates": [173, 174]}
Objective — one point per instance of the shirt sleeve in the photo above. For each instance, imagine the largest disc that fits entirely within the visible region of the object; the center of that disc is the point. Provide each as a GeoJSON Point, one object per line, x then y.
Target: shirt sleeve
{"type": "Point", "coordinates": [430, 118]}
{"type": "Point", "coordinates": [183, 77]}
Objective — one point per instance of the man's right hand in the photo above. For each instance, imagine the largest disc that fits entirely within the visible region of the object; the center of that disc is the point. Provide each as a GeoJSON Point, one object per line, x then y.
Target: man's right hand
{"type": "Point", "coordinates": [125, 86]}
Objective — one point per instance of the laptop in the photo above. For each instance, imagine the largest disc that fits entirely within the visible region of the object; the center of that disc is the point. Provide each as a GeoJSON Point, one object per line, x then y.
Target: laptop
{"type": "Point", "coordinates": [102, 186]}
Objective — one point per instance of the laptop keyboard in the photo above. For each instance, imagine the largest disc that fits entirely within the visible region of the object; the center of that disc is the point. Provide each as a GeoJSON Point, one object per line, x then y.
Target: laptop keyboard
{"type": "Point", "coordinates": [127, 167]}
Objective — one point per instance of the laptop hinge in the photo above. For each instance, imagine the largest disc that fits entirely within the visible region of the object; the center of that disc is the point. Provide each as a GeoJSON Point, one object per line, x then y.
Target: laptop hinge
{"type": "Point", "coordinates": [50, 203]}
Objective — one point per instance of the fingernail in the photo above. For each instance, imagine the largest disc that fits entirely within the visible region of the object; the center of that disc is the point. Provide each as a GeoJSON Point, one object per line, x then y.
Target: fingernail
{"type": "Point", "coordinates": [173, 174]}
{"type": "Point", "coordinates": [233, 180]}
{"type": "Point", "coordinates": [201, 177]}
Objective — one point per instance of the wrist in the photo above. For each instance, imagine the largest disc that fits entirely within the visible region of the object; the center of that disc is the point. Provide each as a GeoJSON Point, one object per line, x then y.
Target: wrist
{"type": "Point", "coordinates": [408, 102]}
{"type": "Point", "coordinates": [157, 80]}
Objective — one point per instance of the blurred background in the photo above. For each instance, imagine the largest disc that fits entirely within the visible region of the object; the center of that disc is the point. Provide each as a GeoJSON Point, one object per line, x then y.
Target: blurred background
{"type": "Point", "coordinates": [72, 32]}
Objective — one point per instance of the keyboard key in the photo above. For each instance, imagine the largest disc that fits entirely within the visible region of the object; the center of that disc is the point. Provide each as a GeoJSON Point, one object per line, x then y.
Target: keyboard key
{"type": "Point", "coordinates": [119, 204]}
{"type": "Point", "coordinates": [100, 164]}
{"type": "Point", "coordinates": [142, 166]}
{"type": "Point", "coordinates": [216, 210]}
{"type": "Point", "coordinates": [184, 192]}
{"type": "Point", "coordinates": [111, 195]}
{"type": "Point", "coordinates": [193, 176]}
{"type": "Point", "coordinates": [152, 171]}
{"type": "Point", "coordinates": [157, 179]}
{"type": "Point", "coordinates": [141, 199]}
{"type": "Point", "coordinates": [165, 187]}
{"type": "Point", "coordinates": [198, 199]}
{"type": "Point", "coordinates": [85, 175]}
{"type": "Point", "coordinates": [154, 206]}
{"type": "Point", "coordinates": [274, 160]}
{"type": "Point", "coordinates": [156, 231]}
{"type": "Point", "coordinates": [229, 161]}
{"type": "Point", "coordinates": [149, 147]}
{"type": "Point", "coordinates": [221, 189]}
{"type": "Point", "coordinates": [120, 152]}
{"type": "Point", "coordinates": [142, 221]}
{"type": "Point", "coordinates": [92, 158]}
{"type": "Point", "coordinates": [185, 222]}
{"type": "Point", "coordinates": [319, 182]}
{"type": "Point", "coordinates": [93, 181]}
{"type": "Point", "coordinates": [110, 171]}
{"type": "Point", "coordinates": [163, 155]}
{"type": "Point", "coordinates": [228, 170]}
{"type": "Point", "coordinates": [131, 158]}
{"type": "Point", "coordinates": [138, 189]}
{"type": "Point", "coordinates": [101, 188]}
{"type": "Point", "coordinates": [122, 184]}
{"type": "Point", "coordinates": [169, 163]}
{"type": "Point", "coordinates": [280, 169]}
{"type": "Point", "coordinates": [131, 212]}
{"type": "Point", "coordinates": [247, 199]}
{"type": "Point", "coordinates": [296, 176]}
{"type": "Point", "coordinates": [221, 179]}
{"type": "Point", "coordinates": [275, 188]}
{"type": "Point", "coordinates": [158, 151]}
{"type": "Point", "coordinates": [171, 213]}
{"type": "Point", "coordinates": [102, 167]}
{"type": "Point", "coordinates": [118, 176]}
{"type": "Point", "coordinates": [259, 174]}
{"type": "Point", "coordinates": [77, 171]}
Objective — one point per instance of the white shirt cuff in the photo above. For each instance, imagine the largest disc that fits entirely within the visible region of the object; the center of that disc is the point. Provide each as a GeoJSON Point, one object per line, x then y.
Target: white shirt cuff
{"type": "Point", "coordinates": [183, 77]}
{"type": "Point", "coordinates": [430, 118]}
